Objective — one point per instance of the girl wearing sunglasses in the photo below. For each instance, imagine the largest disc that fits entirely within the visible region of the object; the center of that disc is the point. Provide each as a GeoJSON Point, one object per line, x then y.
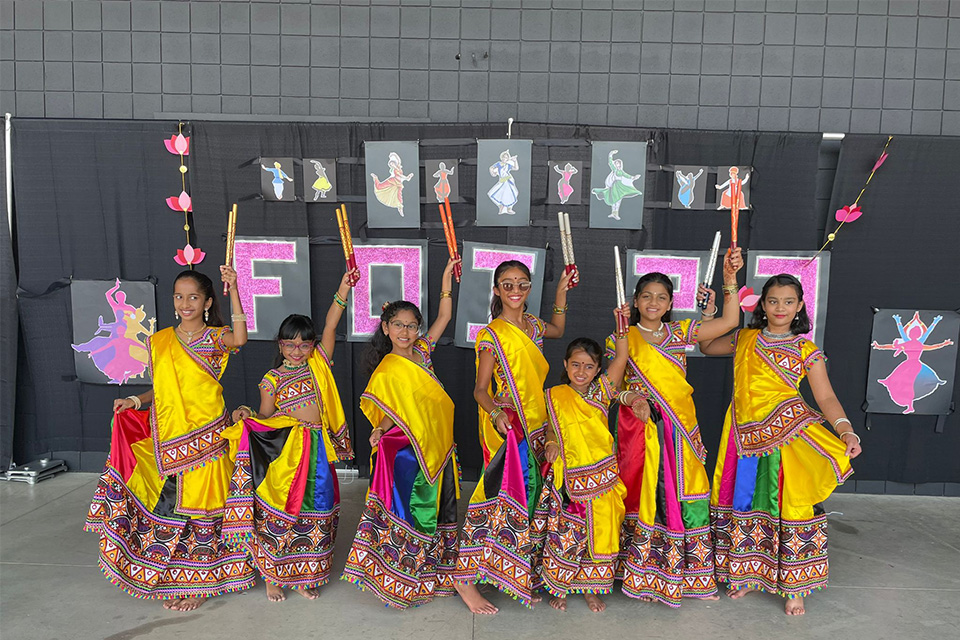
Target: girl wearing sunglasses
{"type": "Point", "coordinates": [284, 501]}
{"type": "Point", "coordinates": [496, 546]}
{"type": "Point", "coordinates": [405, 550]}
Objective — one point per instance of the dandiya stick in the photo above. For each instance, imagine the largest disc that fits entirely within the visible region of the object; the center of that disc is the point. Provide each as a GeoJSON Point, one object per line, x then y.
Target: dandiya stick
{"type": "Point", "coordinates": [455, 253]}
{"type": "Point", "coordinates": [568, 240]}
{"type": "Point", "coordinates": [446, 230]}
{"type": "Point", "coordinates": [621, 294]}
{"type": "Point", "coordinates": [231, 237]}
{"type": "Point", "coordinates": [711, 265]}
{"type": "Point", "coordinates": [563, 239]}
{"type": "Point", "coordinates": [351, 257]}
{"type": "Point", "coordinates": [735, 191]}
{"type": "Point", "coordinates": [343, 237]}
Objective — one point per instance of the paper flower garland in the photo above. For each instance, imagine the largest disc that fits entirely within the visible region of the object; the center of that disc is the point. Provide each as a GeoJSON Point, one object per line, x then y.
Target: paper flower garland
{"type": "Point", "coordinates": [851, 212]}
{"type": "Point", "coordinates": [179, 145]}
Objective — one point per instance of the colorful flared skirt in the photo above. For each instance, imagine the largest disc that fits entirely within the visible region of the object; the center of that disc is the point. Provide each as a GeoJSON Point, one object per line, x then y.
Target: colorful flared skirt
{"type": "Point", "coordinates": [284, 504]}
{"type": "Point", "coordinates": [405, 550]}
{"type": "Point", "coordinates": [503, 532]}
{"type": "Point", "coordinates": [566, 565]}
{"type": "Point", "coordinates": [770, 532]}
{"type": "Point", "coordinates": [666, 552]}
{"type": "Point", "coordinates": [146, 548]}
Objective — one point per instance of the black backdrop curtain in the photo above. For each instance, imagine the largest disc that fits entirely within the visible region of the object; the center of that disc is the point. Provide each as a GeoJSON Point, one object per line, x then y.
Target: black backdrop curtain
{"type": "Point", "coordinates": [90, 203]}
{"type": "Point", "coordinates": [902, 253]}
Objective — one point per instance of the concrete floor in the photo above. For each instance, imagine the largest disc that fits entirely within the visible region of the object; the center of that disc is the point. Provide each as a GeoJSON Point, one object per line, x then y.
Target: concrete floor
{"type": "Point", "coordinates": [895, 573]}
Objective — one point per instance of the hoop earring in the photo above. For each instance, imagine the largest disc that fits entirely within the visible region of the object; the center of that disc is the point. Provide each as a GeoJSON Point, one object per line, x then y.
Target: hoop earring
{"type": "Point", "coordinates": [206, 315]}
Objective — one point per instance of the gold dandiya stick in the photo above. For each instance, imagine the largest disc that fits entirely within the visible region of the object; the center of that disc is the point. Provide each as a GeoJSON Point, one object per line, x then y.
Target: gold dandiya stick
{"type": "Point", "coordinates": [454, 252]}
{"type": "Point", "coordinates": [346, 239]}
{"type": "Point", "coordinates": [567, 237]}
{"type": "Point", "coordinates": [563, 239]}
{"type": "Point", "coordinates": [231, 237]}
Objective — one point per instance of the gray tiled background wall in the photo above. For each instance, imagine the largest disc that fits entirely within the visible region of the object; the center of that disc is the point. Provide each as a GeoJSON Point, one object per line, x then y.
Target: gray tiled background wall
{"type": "Point", "coordinates": [890, 66]}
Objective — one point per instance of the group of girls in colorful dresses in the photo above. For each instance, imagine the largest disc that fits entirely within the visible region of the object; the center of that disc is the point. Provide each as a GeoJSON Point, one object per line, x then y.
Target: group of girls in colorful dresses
{"type": "Point", "coordinates": [600, 478]}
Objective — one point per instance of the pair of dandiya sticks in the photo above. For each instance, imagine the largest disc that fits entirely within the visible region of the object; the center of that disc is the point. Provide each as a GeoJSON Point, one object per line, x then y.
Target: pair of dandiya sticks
{"type": "Point", "coordinates": [447, 218]}
{"type": "Point", "coordinates": [346, 240]}
{"type": "Point", "coordinates": [231, 237]}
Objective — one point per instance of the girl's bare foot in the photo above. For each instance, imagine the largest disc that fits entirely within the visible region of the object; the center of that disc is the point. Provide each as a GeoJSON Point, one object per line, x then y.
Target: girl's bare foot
{"type": "Point", "coordinates": [594, 602]}
{"type": "Point", "coordinates": [794, 607]}
{"type": "Point", "coordinates": [535, 598]}
{"type": "Point", "coordinates": [275, 593]}
{"type": "Point", "coordinates": [713, 597]}
{"type": "Point", "coordinates": [560, 604]}
{"type": "Point", "coordinates": [310, 594]}
{"type": "Point", "coordinates": [645, 599]}
{"type": "Point", "coordinates": [737, 593]}
{"type": "Point", "coordinates": [474, 601]}
{"type": "Point", "coordinates": [183, 604]}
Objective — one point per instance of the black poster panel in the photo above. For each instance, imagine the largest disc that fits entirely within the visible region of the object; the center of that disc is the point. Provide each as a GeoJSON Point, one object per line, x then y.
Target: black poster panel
{"type": "Point", "coordinates": [913, 361]}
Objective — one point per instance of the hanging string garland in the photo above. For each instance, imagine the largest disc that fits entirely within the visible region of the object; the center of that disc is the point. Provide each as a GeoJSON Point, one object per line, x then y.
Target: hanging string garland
{"type": "Point", "coordinates": [851, 212]}
{"type": "Point", "coordinates": [180, 145]}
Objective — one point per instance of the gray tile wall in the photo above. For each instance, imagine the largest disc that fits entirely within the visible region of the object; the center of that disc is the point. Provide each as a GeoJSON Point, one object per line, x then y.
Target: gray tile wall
{"type": "Point", "coordinates": [890, 66]}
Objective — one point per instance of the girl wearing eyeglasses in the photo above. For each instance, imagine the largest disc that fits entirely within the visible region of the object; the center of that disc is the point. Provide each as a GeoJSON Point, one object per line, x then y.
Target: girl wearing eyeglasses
{"type": "Point", "coordinates": [497, 545]}
{"type": "Point", "coordinates": [405, 550]}
{"type": "Point", "coordinates": [284, 501]}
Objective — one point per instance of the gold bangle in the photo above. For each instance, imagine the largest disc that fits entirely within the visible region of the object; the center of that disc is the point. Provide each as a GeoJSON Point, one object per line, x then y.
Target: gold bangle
{"type": "Point", "coordinates": [446, 294]}
{"type": "Point", "coordinates": [340, 302]}
{"type": "Point", "coordinates": [730, 288]}
{"type": "Point", "coordinates": [239, 317]}
{"type": "Point", "coordinates": [559, 310]}
{"type": "Point", "coordinates": [137, 403]}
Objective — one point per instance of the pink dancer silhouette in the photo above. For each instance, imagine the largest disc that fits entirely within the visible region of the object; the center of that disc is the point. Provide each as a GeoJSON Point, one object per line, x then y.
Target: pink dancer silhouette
{"type": "Point", "coordinates": [564, 188]}
{"type": "Point", "coordinates": [912, 379]}
{"type": "Point", "coordinates": [120, 355]}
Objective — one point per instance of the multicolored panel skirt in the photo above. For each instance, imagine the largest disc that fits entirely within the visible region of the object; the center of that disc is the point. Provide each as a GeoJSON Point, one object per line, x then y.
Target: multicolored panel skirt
{"type": "Point", "coordinates": [405, 550]}
{"type": "Point", "coordinates": [666, 551]}
{"type": "Point", "coordinates": [503, 534]}
{"type": "Point", "coordinates": [284, 504]}
{"type": "Point", "coordinates": [567, 565]}
{"type": "Point", "coordinates": [766, 537]}
{"type": "Point", "coordinates": [146, 549]}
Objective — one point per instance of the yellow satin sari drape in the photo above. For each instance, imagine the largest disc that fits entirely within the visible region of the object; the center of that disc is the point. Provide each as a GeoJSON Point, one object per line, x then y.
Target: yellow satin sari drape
{"type": "Point", "coordinates": [415, 401]}
{"type": "Point", "coordinates": [524, 370]}
{"type": "Point", "coordinates": [328, 395]}
{"type": "Point", "coordinates": [667, 382]}
{"type": "Point", "coordinates": [587, 466]}
{"type": "Point", "coordinates": [188, 412]}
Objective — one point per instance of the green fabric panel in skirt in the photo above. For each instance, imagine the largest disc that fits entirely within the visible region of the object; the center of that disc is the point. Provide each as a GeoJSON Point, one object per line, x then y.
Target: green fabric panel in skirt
{"type": "Point", "coordinates": [696, 513]}
{"type": "Point", "coordinates": [423, 503]}
{"type": "Point", "coordinates": [766, 492]}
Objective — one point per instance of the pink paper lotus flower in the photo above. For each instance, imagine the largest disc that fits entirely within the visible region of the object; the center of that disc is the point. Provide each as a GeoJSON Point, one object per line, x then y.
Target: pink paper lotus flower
{"type": "Point", "coordinates": [849, 213]}
{"type": "Point", "coordinates": [181, 203]}
{"type": "Point", "coordinates": [748, 299]}
{"type": "Point", "coordinates": [178, 145]}
{"type": "Point", "coordinates": [880, 161]}
{"type": "Point", "coordinates": [189, 255]}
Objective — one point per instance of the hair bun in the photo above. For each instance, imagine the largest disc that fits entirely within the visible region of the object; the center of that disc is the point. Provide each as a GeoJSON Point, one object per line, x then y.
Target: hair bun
{"type": "Point", "coordinates": [385, 305]}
